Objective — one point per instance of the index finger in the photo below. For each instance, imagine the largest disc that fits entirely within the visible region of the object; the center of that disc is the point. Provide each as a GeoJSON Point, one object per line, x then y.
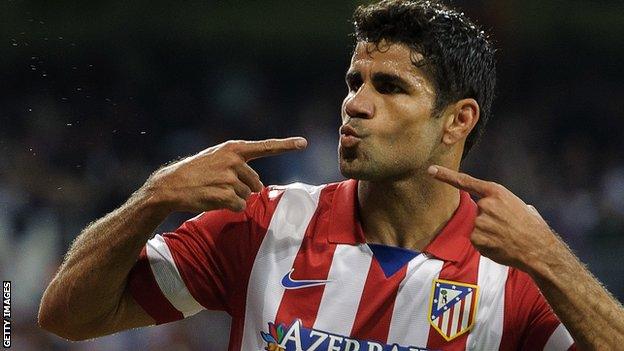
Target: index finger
{"type": "Point", "coordinates": [460, 180]}
{"type": "Point", "coordinates": [250, 150]}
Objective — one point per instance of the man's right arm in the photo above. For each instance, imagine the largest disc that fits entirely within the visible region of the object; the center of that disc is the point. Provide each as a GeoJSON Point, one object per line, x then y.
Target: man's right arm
{"type": "Point", "coordinates": [89, 296]}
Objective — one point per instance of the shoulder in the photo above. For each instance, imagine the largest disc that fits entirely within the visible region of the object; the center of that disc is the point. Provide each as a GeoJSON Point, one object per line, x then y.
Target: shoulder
{"type": "Point", "coordinates": [518, 287]}
{"type": "Point", "coordinates": [263, 206]}
{"type": "Point", "coordinates": [520, 284]}
{"type": "Point", "coordinates": [294, 201]}
{"type": "Point", "coordinates": [303, 190]}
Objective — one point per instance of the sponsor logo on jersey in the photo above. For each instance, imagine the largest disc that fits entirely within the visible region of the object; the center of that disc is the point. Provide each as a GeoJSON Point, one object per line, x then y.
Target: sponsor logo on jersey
{"type": "Point", "coordinates": [298, 338]}
{"type": "Point", "coordinates": [289, 283]}
{"type": "Point", "coordinates": [452, 307]}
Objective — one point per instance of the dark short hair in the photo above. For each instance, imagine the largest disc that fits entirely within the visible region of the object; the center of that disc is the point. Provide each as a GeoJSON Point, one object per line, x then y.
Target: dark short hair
{"type": "Point", "coordinates": [456, 54]}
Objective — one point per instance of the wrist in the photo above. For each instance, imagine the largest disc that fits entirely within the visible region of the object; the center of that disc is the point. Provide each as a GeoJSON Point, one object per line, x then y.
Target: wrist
{"type": "Point", "coordinates": [554, 257]}
{"type": "Point", "coordinates": [539, 270]}
{"type": "Point", "coordinates": [153, 202]}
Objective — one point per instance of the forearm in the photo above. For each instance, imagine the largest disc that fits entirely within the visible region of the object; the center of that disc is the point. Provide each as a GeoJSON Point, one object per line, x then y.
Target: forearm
{"type": "Point", "coordinates": [594, 318]}
{"type": "Point", "coordinates": [89, 285]}
{"type": "Point", "coordinates": [88, 296]}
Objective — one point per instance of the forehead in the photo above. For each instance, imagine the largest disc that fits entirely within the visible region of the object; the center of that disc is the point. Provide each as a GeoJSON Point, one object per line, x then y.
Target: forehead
{"type": "Point", "coordinates": [385, 57]}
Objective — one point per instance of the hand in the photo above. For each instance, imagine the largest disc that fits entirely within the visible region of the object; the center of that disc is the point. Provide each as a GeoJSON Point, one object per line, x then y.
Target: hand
{"type": "Point", "coordinates": [507, 230]}
{"type": "Point", "coordinates": [215, 178]}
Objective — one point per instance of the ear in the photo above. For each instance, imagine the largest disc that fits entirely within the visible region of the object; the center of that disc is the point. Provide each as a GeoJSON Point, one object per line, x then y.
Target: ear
{"type": "Point", "coordinates": [460, 118]}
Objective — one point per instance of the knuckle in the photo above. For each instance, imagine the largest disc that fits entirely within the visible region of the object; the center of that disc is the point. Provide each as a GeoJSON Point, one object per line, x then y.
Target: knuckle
{"type": "Point", "coordinates": [218, 198]}
{"type": "Point", "coordinates": [496, 188]}
{"type": "Point", "coordinates": [479, 222]}
{"type": "Point", "coordinates": [247, 193]}
{"type": "Point", "coordinates": [266, 145]}
{"type": "Point", "coordinates": [235, 159]}
{"type": "Point", "coordinates": [485, 203]}
{"type": "Point", "coordinates": [475, 239]}
{"type": "Point", "coordinates": [242, 205]}
{"type": "Point", "coordinates": [230, 178]}
{"type": "Point", "coordinates": [227, 145]}
{"type": "Point", "coordinates": [231, 145]}
{"type": "Point", "coordinates": [478, 239]}
{"type": "Point", "coordinates": [229, 195]}
{"type": "Point", "coordinates": [253, 172]}
{"type": "Point", "coordinates": [463, 180]}
{"type": "Point", "coordinates": [230, 158]}
{"type": "Point", "coordinates": [237, 205]}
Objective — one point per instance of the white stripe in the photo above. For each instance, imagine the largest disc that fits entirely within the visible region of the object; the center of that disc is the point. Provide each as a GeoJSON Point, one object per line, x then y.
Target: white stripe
{"type": "Point", "coordinates": [466, 315]}
{"type": "Point", "coordinates": [348, 272]}
{"type": "Point", "coordinates": [445, 321]}
{"type": "Point", "coordinates": [275, 258]}
{"type": "Point", "coordinates": [488, 328]}
{"type": "Point", "coordinates": [409, 324]}
{"type": "Point", "coordinates": [455, 322]}
{"type": "Point", "coordinates": [168, 277]}
{"type": "Point", "coordinates": [560, 340]}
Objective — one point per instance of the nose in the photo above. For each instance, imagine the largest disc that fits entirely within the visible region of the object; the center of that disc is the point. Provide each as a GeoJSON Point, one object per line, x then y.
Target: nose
{"type": "Point", "coordinates": [359, 105]}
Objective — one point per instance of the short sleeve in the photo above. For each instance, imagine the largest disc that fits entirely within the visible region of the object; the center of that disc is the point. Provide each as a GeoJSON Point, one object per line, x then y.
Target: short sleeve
{"type": "Point", "coordinates": [204, 264]}
{"type": "Point", "coordinates": [530, 322]}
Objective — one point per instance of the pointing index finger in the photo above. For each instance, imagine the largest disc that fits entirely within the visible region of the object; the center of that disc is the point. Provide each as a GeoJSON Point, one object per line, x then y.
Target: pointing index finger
{"type": "Point", "coordinates": [460, 180]}
{"type": "Point", "coordinates": [250, 150]}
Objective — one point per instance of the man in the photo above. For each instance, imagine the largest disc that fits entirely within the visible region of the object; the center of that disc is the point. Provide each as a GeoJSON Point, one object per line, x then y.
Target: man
{"type": "Point", "coordinates": [395, 258]}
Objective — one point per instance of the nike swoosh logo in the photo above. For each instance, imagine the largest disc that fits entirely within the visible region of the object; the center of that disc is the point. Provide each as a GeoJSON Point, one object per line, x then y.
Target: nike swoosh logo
{"type": "Point", "coordinates": [289, 283]}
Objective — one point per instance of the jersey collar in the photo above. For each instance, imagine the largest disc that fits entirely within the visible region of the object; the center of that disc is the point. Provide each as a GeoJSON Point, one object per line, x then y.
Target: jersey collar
{"type": "Point", "coordinates": [451, 244]}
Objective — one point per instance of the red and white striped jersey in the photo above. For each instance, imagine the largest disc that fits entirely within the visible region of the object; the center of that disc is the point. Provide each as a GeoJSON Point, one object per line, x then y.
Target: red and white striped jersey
{"type": "Point", "coordinates": [295, 273]}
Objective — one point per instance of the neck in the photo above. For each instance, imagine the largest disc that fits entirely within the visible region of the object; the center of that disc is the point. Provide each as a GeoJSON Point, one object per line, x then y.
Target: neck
{"type": "Point", "coordinates": [407, 213]}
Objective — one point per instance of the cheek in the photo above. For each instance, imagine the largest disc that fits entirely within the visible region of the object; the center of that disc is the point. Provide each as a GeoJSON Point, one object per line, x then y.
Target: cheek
{"type": "Point", "coordinates": [413, 136]}
{"type": "Point", "coordinates": [411, 125]}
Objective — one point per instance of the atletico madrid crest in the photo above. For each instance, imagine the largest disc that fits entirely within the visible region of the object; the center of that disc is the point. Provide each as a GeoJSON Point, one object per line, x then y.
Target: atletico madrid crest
{"type": "Point", "coordinates": [452, 307]}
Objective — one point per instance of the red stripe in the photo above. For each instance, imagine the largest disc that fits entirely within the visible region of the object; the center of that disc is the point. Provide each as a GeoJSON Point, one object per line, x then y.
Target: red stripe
{"type": "Point", "coordinates": [372, 321]}
{"type": "Point", "coordinates": [464, 271]}
{"type": "Point", "coordinates": [147, 294]}
{"type": "Point", "coordinates": [312, 262]}
{"type": "Point", "coordinates": [214, 254]}
{"type": "Point", "coordinates": [440, 320]}
{"type": "Point", "coordinates": [450, 320]}
{"type": "Point", "coordinates": [236, 333]}
{"type": "Point", "coordinates": [461, 315]}
{"type": "Point", "coordinates": [528, 319]}
{"type": "Point", "coordinates": [260, 219]}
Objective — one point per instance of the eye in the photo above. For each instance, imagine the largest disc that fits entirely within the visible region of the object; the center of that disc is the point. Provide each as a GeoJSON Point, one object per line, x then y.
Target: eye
{"type": "Point", "coordinates": [389, 88]}
{"type": "Point", "coordinates": [354, 83]}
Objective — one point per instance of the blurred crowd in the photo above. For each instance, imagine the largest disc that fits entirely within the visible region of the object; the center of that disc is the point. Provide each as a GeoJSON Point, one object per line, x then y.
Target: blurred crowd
{"type": "Point", "coordinates": [84, 122]}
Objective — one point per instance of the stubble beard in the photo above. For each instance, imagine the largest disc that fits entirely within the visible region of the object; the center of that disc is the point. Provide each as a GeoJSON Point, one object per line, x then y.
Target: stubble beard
{"type": "Point", "coordinates": [354, 164]}
{"type": "Point", "coordinates": [384, 167]}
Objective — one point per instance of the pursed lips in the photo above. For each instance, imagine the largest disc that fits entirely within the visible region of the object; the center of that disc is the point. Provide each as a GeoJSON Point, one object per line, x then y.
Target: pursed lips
{"type": "Point", "coordinates": [349, 137]}
{"type": "Point", "coordinates": [349, 131]}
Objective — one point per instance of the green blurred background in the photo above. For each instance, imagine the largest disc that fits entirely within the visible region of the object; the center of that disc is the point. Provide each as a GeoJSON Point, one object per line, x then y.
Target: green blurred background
{"type": "Point", "coordinates": [96, 95]}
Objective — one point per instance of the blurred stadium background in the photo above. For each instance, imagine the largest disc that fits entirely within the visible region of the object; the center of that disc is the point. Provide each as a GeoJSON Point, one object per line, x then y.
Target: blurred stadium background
{"type": "Point", "coordinates": [96, 95]}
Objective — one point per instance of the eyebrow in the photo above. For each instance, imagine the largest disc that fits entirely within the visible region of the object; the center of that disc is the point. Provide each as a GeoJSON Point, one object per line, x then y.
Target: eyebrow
{"type": "Point", "coordinates": [388, 78]}
{"type": "Point", "coordinates": [380, 77]}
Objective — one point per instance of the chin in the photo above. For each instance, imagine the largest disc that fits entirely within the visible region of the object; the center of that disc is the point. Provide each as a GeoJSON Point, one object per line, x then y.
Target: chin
{"type": "Point", "coordinates": [354, 169]}
{"type": "Point", "coordinates": [350, 168]}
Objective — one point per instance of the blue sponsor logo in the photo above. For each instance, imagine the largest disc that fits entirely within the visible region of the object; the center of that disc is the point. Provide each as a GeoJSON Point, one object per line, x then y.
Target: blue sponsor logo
{"type": "Point", "coordinates": [298, 338]}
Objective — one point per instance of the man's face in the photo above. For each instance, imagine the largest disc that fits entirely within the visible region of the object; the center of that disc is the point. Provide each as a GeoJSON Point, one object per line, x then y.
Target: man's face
{"type": "Point", "coordinates": [387, 130]}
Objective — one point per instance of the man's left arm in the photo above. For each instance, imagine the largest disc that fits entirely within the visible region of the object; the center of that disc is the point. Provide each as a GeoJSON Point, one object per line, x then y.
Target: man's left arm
{"type": "Point", "coordinates": [512, 233]}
